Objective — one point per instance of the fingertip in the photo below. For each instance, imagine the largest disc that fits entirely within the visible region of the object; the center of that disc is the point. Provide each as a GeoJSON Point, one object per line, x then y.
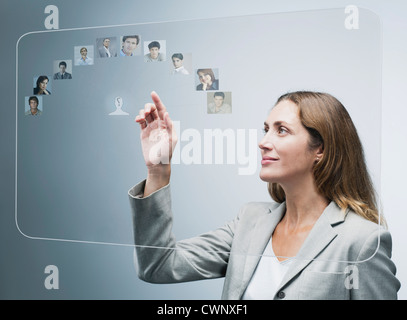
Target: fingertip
{"type": "Point", "coordinates": [167, 120]}
{"type": "Point", "coordinates": [156, 98]}
{"type": "Point", "coordinates": [159, 105]}
{"type": "Point", "coordinates": [147, 107]}
{"type": "Point", "coordinates": [154, 95]}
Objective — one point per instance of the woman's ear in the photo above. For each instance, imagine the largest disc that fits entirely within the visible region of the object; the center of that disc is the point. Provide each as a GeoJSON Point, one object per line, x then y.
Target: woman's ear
{"type": "Point", "coordinates": [319, 153]}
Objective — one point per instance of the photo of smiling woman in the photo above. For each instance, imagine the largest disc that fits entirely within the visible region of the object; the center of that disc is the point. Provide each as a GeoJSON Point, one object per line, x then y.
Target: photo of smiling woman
{"type": "Point", "coordinates": [207, 80]}
{"type": "Point", "coordinates": [321, 226]}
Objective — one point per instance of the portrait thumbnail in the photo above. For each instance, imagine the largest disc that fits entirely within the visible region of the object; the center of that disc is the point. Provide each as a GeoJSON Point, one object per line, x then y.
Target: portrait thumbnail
{"type": "Point", "coordinates": [130, 46]}
{"type": "Point", "coordinates": [219, 102]}
{"type": "Point", "coordinates": [207, 79]}
{"type": "Point", "coordinates": [62, 69]}
{"type": "Point", "coordinates": [33, 105]}
{"type": "Point", "coordinates": [83, 55]}
{"type": "Point", "coordinates": [155, 51]}
{"type": "Point", "coordinates": [42, 85]}
{"type": "Point", "coordinates": [107, 47]}
{"type": "Point", "coordinates": [181, 63]}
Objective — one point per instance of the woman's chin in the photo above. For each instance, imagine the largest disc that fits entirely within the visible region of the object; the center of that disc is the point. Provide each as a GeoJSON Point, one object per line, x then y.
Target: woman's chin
{"type": "Point", "coordinates": [265, 177]}
{"type": "Point", "coordinates": [268, 176]}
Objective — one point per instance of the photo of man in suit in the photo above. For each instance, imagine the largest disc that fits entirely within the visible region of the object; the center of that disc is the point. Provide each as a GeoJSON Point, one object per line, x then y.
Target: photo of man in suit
{"type": "Point", "coordinates": [62, 74]}
{"type": "Point", "coordinates": [107, 49]}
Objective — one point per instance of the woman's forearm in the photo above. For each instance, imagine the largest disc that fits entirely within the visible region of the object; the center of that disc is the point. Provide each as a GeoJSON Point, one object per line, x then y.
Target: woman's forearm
{"type": "Point", "coordinates": [157, 177]}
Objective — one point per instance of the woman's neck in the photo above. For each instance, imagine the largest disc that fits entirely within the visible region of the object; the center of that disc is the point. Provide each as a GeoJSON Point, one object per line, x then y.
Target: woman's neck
{"type": "Point", "coordinates": [304, 205]}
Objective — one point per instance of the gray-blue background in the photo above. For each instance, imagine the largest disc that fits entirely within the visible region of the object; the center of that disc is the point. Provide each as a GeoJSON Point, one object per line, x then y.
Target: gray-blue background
{"type": "Point", "coordinates": [92, 271]}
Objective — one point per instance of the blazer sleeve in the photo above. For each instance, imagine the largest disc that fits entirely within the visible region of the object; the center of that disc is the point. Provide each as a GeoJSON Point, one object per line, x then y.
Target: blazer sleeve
{"type": "Point", "coordinates": [162, 259]}
{"type": "Point", "coordinates": [376, 270]}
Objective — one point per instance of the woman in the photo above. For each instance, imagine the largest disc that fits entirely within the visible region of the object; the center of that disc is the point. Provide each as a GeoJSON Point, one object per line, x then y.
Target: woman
{"type": "Point", "coordinates": [207, 79]}
{"type": "Point", "coordinates": [41, 87]}
{"type": "Point", "coordinates": [317, 240]}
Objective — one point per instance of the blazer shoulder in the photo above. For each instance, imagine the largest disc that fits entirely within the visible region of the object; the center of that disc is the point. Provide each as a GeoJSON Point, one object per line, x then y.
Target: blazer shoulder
{"type": "Point", "coordinates": [254, 209]}
{"type": "Point", "coordinates": [363, 236]}
{"type": "Point", "coordinates": [362, 227]}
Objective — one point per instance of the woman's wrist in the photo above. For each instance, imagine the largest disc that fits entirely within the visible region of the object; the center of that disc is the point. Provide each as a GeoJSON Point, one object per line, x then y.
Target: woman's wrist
{"type": "Point", "coordinates": [157, 178]}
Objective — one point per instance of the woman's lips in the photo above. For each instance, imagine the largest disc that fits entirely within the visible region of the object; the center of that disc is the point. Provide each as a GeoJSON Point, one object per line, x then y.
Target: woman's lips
{"type": "Point", "coordinates": [267, 160]}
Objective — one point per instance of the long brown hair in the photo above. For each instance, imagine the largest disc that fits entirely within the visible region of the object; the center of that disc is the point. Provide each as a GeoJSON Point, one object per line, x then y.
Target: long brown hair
{"type": "Point", "coordinates": [341, 175]}
{"type": "Point", "coordinates": [207, 71]}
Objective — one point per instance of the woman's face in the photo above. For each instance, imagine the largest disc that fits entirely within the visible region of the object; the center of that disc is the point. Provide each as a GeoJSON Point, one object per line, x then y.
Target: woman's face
{"type": "Point", "coordinates": [205, 78]}
{"type": "Point", "coordinates": [286, 156]}
{"type": "Point", "coordinates": [43, 84]}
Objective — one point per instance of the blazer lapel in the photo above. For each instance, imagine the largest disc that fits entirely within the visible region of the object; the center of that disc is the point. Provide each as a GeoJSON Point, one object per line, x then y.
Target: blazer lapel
{"type": "Point", "coordinates": [319, 237]}
{"type": "Point", "coordinates": [260, 236]}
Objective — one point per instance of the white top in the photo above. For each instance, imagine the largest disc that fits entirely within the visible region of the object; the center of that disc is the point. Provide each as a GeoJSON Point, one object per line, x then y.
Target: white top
{"type": "Point", "coordinates": [267, 276]}
{"type": "Point", "coordinates": [180, 70]}
{"type": "Point", "coordinates": [107, 51]}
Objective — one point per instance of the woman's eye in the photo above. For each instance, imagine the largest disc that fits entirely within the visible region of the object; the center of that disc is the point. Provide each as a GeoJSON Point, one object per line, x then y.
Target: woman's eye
{"type": "Point", "coordinates": [282, 130]}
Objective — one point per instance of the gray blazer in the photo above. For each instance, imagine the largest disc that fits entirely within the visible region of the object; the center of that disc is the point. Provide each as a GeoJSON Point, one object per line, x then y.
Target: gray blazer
{"type": "Point", "coordinates": [103, 54]}
{"type": "Point", "coordinates": [58, 76]}
{"type": "Point", "coordinates": [343, 257]}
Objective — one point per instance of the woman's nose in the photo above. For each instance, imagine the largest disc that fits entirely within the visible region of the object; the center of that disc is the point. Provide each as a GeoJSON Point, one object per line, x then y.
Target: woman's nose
{"type": "Point", "coordinates": [265, 143]}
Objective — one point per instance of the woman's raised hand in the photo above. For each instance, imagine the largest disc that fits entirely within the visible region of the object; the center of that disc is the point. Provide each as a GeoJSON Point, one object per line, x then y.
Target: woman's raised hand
{"type": "Point", "coordinates": [158, 140]}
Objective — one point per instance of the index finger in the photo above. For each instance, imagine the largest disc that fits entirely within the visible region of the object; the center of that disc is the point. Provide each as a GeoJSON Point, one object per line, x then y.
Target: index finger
{"type": "Point", "coordinates": [159, 105]}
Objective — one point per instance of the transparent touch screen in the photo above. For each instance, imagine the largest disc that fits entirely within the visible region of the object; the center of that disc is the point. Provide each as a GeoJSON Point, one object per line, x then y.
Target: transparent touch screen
{"type": "Point", "coordinates": [80, 153]}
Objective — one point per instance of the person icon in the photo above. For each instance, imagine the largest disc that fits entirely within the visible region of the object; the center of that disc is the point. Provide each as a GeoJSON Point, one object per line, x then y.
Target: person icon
{"type": "Point", "coordinates": [118, 102]}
